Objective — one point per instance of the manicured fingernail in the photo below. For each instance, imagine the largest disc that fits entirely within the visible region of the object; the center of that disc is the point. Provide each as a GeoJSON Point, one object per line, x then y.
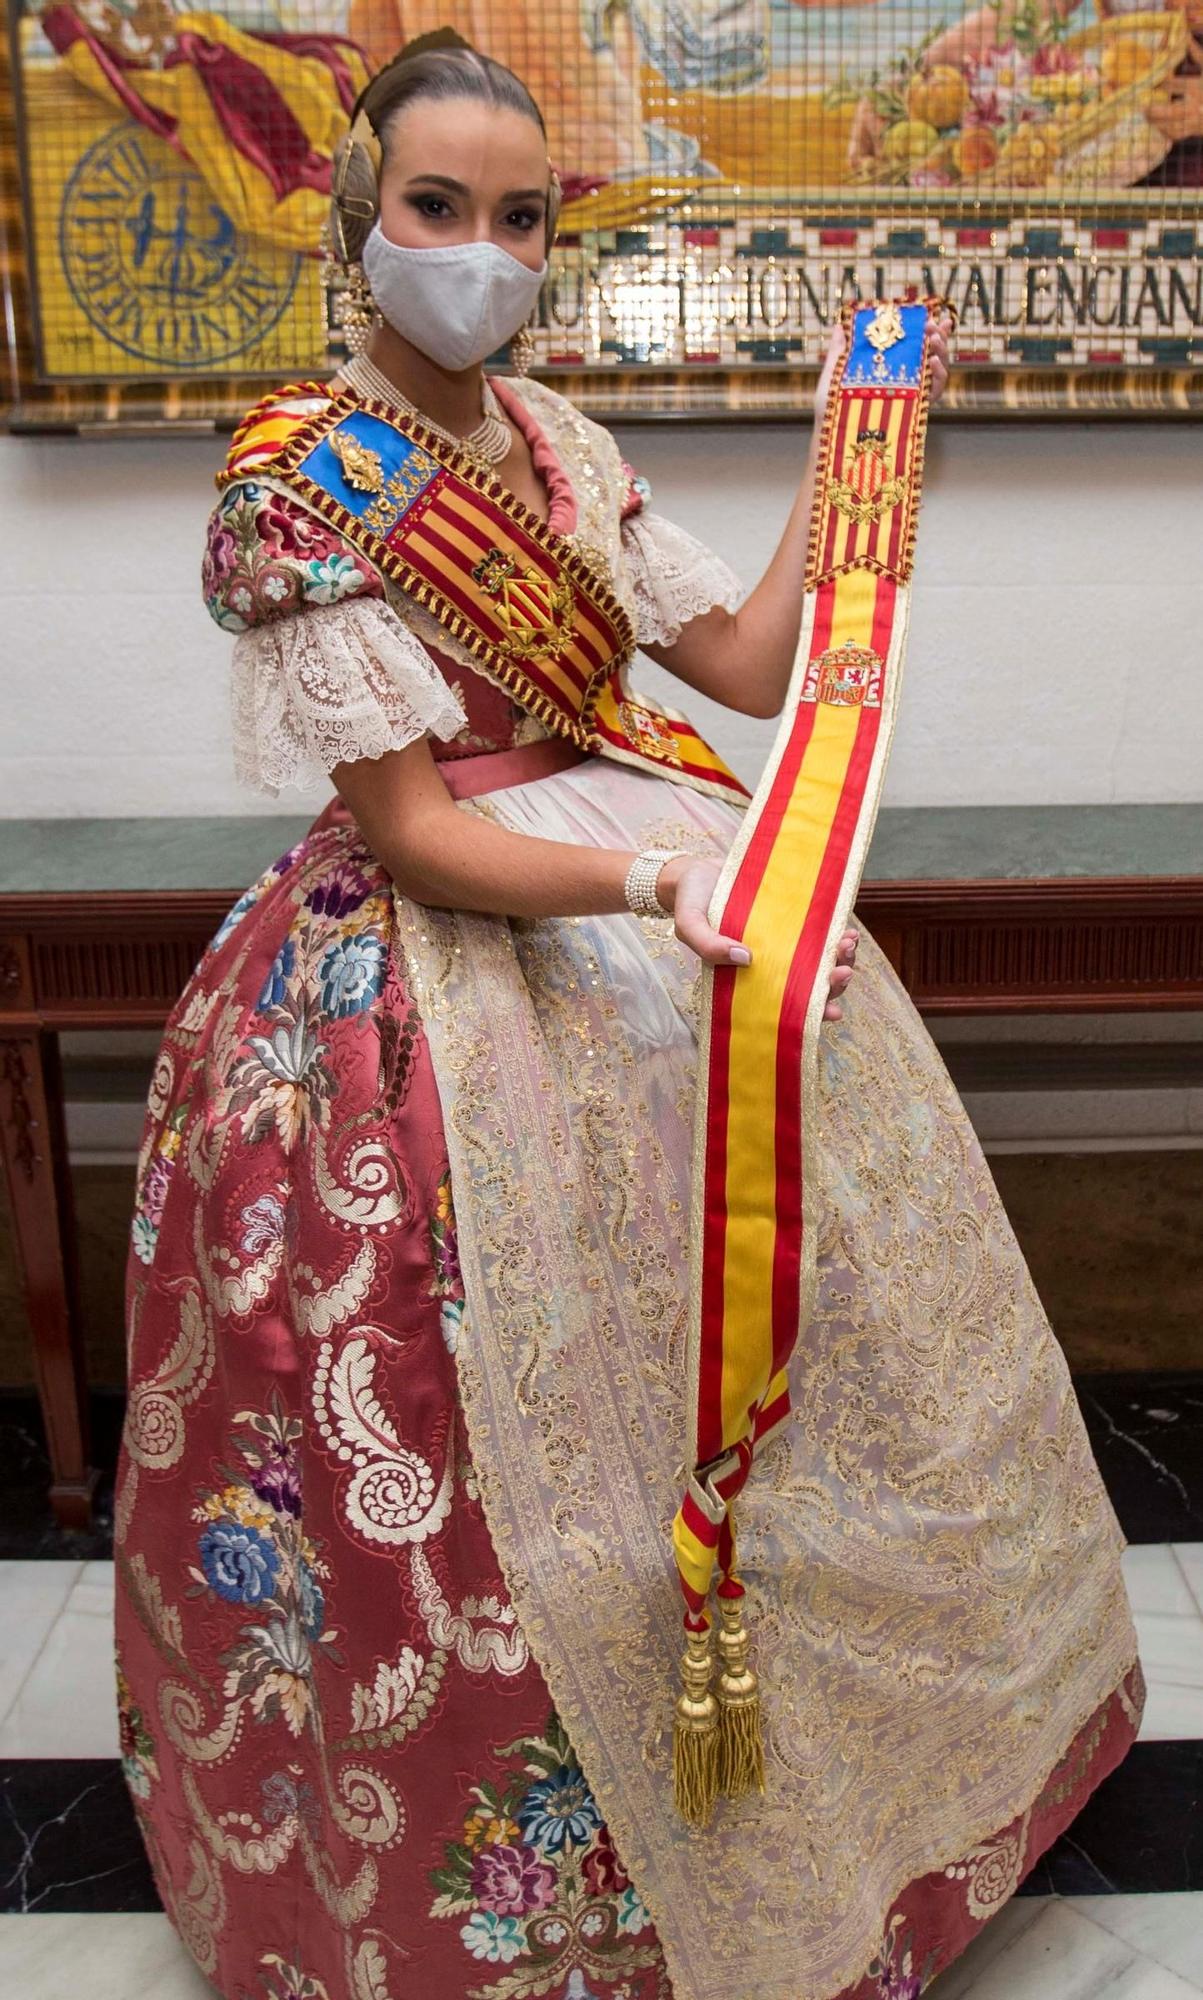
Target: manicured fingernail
{"type": "Point", "coordinates": [740, 955]}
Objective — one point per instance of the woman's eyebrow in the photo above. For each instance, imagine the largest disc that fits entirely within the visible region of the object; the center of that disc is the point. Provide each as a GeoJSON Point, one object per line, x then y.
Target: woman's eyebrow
{"type": "Point", "coordinates": [457, 187]}
{"type": "Point", "coordinates": [439, 180]}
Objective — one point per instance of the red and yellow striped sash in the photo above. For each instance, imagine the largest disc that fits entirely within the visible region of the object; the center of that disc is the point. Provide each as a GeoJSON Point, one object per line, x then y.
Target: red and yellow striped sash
{"type": "Point", "coordinates": [787, 890]}
{"type": "Point", "coordinates": [535, 613]}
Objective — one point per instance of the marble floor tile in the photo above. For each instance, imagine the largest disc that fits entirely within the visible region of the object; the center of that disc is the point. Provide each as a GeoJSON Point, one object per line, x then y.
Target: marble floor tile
{"type": "Point", "coordinates": [1171, 1653]}
{"type": "Point", "coordinates": [1168, 1929]}
{"type": "Point", "coordinates": [65, 1706]}
{"type": "Point", "coordinates": [999, 1935]}
{"type": "Point", "coordinates": [1169, 1625]}
{"type": "Point", "coordinates": [28, 1529]}
{"type": "Point", "coordinates": [1156, 1580]}
{"type": "Point", "coordinates": [1140, 1832]}
{"type": "Point", "coordinates": [69, 1841]}
{"type": "Point", "coordinates": [1060, 1954]}
{"type": "Point", "coordinates": [33, 1595]}
{"type": "Point", "coordinates": [1189, 1556]}
{"type": "Point", "coordinates": [106, 1958]}
{"type": "Point", "coordinates": [1147, 1435]}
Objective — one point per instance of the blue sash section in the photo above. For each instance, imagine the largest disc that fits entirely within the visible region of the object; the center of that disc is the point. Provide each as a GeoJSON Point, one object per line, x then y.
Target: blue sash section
{"type": "Point", "coordinates": [898, 366]}
{"type": "Point", "coordinates": [391, 474]}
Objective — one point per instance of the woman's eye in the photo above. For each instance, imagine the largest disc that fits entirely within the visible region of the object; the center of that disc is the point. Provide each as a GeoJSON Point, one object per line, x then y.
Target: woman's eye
{"type": "Point", "coordinates": [432, 205]}
{"type": "Point", "coordinates": [523, 218]}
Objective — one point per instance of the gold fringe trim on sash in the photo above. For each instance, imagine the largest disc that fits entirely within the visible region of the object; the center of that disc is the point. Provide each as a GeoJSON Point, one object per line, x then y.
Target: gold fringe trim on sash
{"type": "Point", "coordinates": [740, 1736]}
{"type": "Point", "coordinates": [696, 1734]}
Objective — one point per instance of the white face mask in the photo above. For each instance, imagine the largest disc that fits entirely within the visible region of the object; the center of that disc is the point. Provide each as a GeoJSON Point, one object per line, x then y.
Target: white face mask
{"type": "Point", "coordinates": [457, 302]}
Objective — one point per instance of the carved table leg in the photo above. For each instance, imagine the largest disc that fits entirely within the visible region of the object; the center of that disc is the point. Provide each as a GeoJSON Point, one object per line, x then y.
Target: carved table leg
{"type": "Point", "coordinates": [34, 1141]}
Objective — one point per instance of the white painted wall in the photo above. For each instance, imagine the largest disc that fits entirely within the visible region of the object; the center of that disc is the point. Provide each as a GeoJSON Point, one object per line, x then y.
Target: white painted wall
{"type": "Point", "coordinates": [1057, 631]}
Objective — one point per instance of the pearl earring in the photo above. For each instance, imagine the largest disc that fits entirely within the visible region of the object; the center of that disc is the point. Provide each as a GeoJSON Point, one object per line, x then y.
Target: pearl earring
{"type": "Point", "coordinates": [522, 350]}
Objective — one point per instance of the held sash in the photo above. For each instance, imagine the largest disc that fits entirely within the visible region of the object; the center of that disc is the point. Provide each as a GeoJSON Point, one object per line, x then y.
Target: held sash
{"type": "Point", "coordinates": [787, 890]}
{"type": "Point", "coordinates": [537, 615]}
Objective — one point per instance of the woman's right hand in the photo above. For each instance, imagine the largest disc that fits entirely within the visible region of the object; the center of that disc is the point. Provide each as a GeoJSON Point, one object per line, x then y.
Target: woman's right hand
{"type": "Point", "coordinates": [685, 885]}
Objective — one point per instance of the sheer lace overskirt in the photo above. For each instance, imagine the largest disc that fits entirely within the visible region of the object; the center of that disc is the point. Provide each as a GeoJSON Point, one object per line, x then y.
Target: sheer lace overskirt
{"type": "Point", "coordinates": [671, 577]}
{"type": "Point", "coordinates": [931, 1557]}
{"type": "Point", "coordinates": [344, 681]}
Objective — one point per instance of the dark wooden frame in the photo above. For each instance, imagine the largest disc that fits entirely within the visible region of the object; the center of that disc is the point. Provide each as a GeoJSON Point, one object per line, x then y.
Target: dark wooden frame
{"type": "Point", "coordinates": [119, 959]}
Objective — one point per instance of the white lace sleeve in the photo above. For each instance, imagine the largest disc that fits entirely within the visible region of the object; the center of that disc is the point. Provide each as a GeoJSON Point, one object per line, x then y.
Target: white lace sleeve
{"type": "Point", "coordinates": [671, 578]}
{"type": "Point", "coordinates": [331, 684]}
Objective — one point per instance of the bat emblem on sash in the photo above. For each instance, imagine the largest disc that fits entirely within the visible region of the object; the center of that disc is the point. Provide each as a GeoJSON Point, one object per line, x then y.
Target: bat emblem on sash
{"type": "Point", "coordinates": [363, 470]}
{"type": "Point", "coordinates": [883, 331]}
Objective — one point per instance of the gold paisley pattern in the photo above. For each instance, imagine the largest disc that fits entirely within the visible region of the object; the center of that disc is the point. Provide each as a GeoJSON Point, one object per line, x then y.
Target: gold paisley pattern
{"type": "Point", "coordinates": [154, 1414]}
{"type": "Point", "coordinates": [991, 1873]}
{"type": "Point", "coordinates": [200, 1913]}
{"type": "Point", "coordinates": [932, 1560]}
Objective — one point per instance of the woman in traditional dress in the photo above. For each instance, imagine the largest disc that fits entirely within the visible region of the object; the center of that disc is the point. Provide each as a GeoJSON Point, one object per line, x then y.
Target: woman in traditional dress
{"type": "Point", "coordinates": [397, 1625]}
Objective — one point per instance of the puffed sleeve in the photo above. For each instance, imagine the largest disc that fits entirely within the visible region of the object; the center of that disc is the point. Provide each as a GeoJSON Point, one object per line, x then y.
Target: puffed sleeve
{"type": "Point", "coordinates": [324, 670]}
{"type": "Point", "coordinates": [670, 575]}
{"type": "Point", "coordinates": [337, 683]}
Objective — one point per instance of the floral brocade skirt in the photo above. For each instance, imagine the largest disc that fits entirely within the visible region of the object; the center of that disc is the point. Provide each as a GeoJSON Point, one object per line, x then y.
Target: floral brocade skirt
{"type": "Point", "coordinates": [396, 1616]}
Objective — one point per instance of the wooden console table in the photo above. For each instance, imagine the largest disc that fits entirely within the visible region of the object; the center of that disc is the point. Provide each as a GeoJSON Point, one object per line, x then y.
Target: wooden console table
{"type": "Point", "coordinates": [990, 909]}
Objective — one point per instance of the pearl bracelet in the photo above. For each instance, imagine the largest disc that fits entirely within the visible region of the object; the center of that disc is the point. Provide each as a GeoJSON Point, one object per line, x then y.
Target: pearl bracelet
{"type": "Point", "coordinates": [642, 877]}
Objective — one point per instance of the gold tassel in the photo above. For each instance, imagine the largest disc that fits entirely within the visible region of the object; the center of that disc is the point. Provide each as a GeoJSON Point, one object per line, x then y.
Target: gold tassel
{"type": "Point", "coordinates": [740, 1739]}
{"type": "Point", "coordinates": [695, 1734]}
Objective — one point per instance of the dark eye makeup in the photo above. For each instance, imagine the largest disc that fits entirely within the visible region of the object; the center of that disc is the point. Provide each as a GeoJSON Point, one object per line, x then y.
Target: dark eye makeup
{"type": "Point", "coordinates": [435, 208]}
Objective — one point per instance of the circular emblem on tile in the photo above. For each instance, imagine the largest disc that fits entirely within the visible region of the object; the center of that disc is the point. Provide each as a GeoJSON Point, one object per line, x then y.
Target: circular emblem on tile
{"type": "Point", "coordinates": [155, 263]}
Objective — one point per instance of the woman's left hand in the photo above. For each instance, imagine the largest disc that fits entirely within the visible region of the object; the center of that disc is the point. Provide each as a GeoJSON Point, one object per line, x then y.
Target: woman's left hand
{"type": "Point", "coordinates": [845, 965]}
{"type": "Point", "coordinates": [940, 363]}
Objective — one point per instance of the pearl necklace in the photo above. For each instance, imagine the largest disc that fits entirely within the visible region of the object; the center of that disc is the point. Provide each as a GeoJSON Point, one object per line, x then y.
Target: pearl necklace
{"type": "Point", "coordinates": [489, 443]}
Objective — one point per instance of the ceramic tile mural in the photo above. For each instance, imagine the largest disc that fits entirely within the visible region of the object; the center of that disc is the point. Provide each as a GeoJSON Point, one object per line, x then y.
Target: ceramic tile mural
{"type": "Point", "coordinates": [732, 169]}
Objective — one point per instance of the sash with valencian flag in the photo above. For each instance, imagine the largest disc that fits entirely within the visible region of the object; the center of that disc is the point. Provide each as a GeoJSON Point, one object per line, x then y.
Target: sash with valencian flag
{"type": "Point", "coordinates": [787, 890]}
{"type": "Point", "coordinates": [535, 614]}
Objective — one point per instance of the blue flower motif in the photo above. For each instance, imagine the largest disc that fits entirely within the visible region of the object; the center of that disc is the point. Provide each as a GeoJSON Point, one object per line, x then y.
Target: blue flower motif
{"type": "Point", "coordinates": [632, 1915]}
{"type": "Point", "coordinates": [240, 1564]}
{"type": "Point", "coordinates": [144, 1236]}
{"type": "Point", "coordinates": [329, 578]}
{"type": "Point", "coordinates": [498, 1940]}
{"type": "Point", "coordinates": [137, 1777]}
{"type": "Point", "coordinates": [351, 974]}
{"type": "Point", "coordinates": [234, 916]}
{"type": "Point", "coordinates": [276, 984]}
{"type": "Point", "coordinates": [559, 1811]}
{"type": "Point", "coordinates": [313, 1603]}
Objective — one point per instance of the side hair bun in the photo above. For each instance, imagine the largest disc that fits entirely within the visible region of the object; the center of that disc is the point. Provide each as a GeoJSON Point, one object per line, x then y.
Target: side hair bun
{"type": "Point", "coordinates": [354, 189]}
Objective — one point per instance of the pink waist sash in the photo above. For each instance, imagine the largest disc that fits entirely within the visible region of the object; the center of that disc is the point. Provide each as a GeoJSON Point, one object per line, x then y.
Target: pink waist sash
{"type": "Point", "coordinates": [489, 771]}
{"type": "Point", "coordinates": [497, 770]}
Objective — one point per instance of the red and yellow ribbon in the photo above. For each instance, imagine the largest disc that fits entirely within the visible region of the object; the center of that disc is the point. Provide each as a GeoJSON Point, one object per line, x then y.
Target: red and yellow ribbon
{"type": "Point", "coordinates": [787, 891]}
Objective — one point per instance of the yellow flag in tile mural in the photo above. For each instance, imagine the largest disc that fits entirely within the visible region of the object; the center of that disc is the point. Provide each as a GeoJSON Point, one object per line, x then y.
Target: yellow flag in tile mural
{"type": "Point", "coordinates": [159, 247]}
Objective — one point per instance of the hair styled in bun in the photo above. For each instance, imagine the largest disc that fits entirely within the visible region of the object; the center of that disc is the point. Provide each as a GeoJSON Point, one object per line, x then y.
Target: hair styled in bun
{"type": "Point", "coordinates": [441, 66]}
